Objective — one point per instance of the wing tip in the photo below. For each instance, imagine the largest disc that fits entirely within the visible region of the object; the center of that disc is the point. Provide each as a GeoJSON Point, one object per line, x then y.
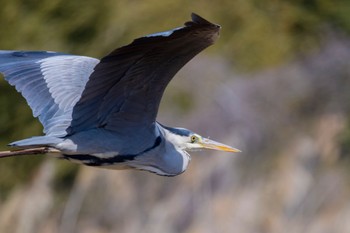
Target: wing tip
{"type": "Point", "coordinates": [198, 20]}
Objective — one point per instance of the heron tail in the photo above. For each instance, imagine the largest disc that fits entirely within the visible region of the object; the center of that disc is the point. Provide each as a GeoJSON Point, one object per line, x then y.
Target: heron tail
{"type": "Point", "coordinates": [39, 141]}
{"type": "Point", "coordinates": [32, 146]}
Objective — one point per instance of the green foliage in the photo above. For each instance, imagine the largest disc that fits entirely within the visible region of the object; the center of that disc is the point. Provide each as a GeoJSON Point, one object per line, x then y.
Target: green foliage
{"type": "Point", "coordinates": [17, 171]}
{"type": "Point", "coordinates": [64, 177]}
{"type": "Point", "coordinates": [344, 142]}
{"type": "Point", "coordinates": [255, 34]}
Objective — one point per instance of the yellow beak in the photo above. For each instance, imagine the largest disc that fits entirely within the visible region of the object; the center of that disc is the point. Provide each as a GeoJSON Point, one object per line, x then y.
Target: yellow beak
{"type": "Point", "coordinates": [213, 145]}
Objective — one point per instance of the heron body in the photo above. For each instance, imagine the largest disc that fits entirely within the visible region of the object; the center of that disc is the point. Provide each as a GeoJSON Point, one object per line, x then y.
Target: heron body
{"type": "Point", "coordinates": [102, 113]}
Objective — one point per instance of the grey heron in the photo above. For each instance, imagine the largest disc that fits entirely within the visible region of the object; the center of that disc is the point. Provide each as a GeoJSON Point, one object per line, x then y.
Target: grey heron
{"type": "Point", "coordinates": [102, 113]}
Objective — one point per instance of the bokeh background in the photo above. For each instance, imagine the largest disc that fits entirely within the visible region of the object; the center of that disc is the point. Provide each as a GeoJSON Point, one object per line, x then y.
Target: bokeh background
{"type": "Point", "coordinates": [275, 85]}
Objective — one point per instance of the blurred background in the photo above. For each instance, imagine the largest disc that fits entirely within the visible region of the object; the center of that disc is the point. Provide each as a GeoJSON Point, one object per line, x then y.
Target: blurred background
{"type": "Point", "coordinates": [275, 85]}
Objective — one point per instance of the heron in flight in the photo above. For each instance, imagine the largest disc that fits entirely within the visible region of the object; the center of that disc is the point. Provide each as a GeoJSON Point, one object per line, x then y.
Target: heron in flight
{"type": "Point", "coordinates": [102, 113]}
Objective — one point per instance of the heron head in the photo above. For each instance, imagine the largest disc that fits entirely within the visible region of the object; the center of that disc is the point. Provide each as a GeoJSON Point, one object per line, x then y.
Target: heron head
{"type": "Point", "coordinates": [190, 141]}
{"type": "Point", "coordinates": [197, 142]}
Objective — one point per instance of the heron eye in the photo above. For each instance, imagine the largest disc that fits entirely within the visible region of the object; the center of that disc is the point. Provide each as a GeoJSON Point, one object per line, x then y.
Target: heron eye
{"type": "Point", "coordinates": [194, 139]}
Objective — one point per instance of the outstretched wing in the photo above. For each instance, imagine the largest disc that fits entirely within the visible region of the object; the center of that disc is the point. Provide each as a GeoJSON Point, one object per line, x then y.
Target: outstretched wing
{"type": "Point", "coordinates": [125, 88]}
{"type": "Point", "coordinates": [52, 83]}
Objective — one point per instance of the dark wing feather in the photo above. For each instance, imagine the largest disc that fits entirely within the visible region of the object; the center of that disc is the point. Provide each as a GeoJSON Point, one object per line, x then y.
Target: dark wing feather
{"type": "Point", "coordinates": [126, 87]}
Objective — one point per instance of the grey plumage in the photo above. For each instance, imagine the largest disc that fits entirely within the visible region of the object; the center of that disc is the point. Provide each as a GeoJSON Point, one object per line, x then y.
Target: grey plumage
{"type": "Point", "coordinates": [103, 113]}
